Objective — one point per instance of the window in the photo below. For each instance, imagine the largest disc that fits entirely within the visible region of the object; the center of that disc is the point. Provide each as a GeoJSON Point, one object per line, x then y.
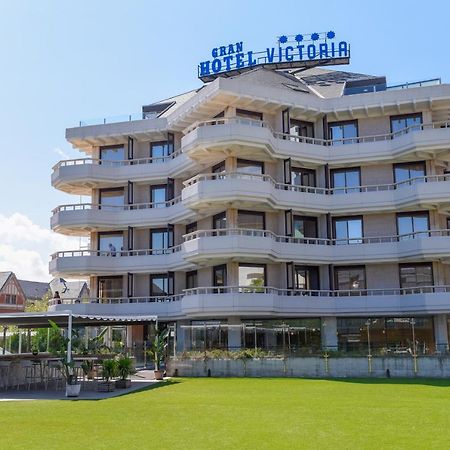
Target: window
{"type": "Point", "coordinates": [250, 167]}
{"type": "Point", "coordinates": [158, 195]}
{"type": "Point", "coordinates": [218, 168]}
{"type": "Point", "coordinates": [161, 284]}
{"type": "Point", "coordinates": [249, 114]}
{"type": "Point", "coordinates": [304, 227]}
{"type": "Point", "coordinates": [399, 123]}
{"type": "Point", "coordinates": [415, 275]}
{"type": "Point", "coordinates": [220, 275]}
{"type": "Point", "coordinates": [111, 199]}
{"type": "Point", "coordinates": [343, 132]}
{"type": "Point", "coordinates": [252, 277]}
{"type": "Point", "coordinates": [191, 279]}
{"type": "Point", "coordinates": [345, 181]}
{"type": "Point", "coordinates": [162, 149]}
{"type": "Point", "coordinates": [415, 222]}
{"type": "Point", "coordinates": [219, 221]}
{"type": "Point", "coordinates": [303, 177]}
{"type": "Point", "coordinates": [348, 230]}
{"type": "Point", "coordinates": [350, 278]}
{"type": "Point", "coordinates": [191, 227]}
{"type": "Point", "coordinates": [10, 299]}
{"type": "Point", "coordinates": [208, 335]}
{"type": "Point", "coordinates": [161, 239]}
{"type": "Point", "coordinates": [306, 278]}
{"type": "Point", "coordinates": [110, 242]}
{"type": "Point", "coordinates": [251, 220]}
{"type": "Point", "coordinates": [110, 287]}
{"type": "Point", "coordinates": [408, 171]}
{"type": "Point", "coordinates": [301, 128]}
{"type": "Point", "coordinates": [113, 153]}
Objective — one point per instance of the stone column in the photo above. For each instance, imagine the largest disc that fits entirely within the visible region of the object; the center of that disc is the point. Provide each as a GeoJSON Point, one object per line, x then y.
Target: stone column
{"type": "Point", "coordinates": [234, 334]}
{"type": "Point", "coordinates": [441, 332]}
{"type": "Point", "coordinates": [329, 333]}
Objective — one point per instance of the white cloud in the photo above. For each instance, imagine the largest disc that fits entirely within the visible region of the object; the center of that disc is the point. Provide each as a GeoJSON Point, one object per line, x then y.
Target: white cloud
{"type": "Point", "coordinates": [61, 153]}
{"type": "Point", "coordinates": [25, 247]}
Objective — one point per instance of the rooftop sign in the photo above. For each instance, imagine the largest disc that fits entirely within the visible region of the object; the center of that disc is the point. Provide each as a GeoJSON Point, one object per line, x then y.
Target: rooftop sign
{"type": "Point", "coordinates": [299, 51]}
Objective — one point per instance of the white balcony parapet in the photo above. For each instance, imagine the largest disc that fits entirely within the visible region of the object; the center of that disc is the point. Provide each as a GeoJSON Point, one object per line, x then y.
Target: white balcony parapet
{"type": "Point", "coordinates": [117, 300]}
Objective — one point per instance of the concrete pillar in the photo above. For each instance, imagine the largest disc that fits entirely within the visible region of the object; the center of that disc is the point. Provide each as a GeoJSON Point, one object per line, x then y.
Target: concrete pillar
{"type": "Point", "coordinates": [233, 273]}
{"type": "Point", "coordinates": [441, 332]}
{"type": "Point", "coordinates": [232, 218]}
{"type": "Point", "coordinates": [329, 333]}
{"type": "Point", "coordinates": [230, 164]}
{"type": "Point", "coordinates": [234, 333]}
{"type": "Point", "coordinates": [182, 336]}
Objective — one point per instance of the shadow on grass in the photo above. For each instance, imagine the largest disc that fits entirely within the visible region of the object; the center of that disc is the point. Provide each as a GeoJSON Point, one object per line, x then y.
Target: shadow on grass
{"type": "Point", "coordinates": [438, 382]}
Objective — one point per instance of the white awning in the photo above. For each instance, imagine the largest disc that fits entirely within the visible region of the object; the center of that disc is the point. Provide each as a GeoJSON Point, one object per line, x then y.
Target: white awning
{"type": "Point", "coordinates": [61, 318]}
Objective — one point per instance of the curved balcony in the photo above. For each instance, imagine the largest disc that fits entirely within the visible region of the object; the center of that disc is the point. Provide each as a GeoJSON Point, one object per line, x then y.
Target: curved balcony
{"type": "Point", "coordinates": [247, 190]}
{"type": "Point", "coordinates": [80, 176]}
{"type": "Point", "coordinates": [244, 301]}
{"type": "Point", "coordinates": [215, 246]}
{"type": "Point", "coordinates": [79, 219]}
{"type": "Point", "coordinates": [76, 263]}
{"type": "Point", "coordinates": [255, 139]}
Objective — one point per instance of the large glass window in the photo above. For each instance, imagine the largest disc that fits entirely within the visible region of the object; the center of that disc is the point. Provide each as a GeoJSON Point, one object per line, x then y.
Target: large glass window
{"type": "Point", "coordinates": [161, 149]}
{"type": "Point", "coordinates": [348, 230]}
{"type": "Point", "coordinates": [113, 153]}
{"type": "Point", "coordinates": [191, 227]}
{"type": "Point", "coordinates": [346, 180]}
{"type": "Point", "coordinates": [158, 195]}
{"type": "Point", "coordinates": [399, 123]}
{"type": "Point", "coordinates": [301, 128]}
{"type": "Point", "coordinates": [408, 171]}
{"type": "Point", "coordinates": [306, 278]}
{"type": "Point", "coordinates": [415, 222]}
{"type": "Point", "coordinates": [112, 243]}
{"type": "Point", "coordinates": [350, 278]}
{"type": "Point", "coordinates": [251, 220]}
{"type": "Point", "coordinates": [161, 239]}
{"type": "Point", "coordinates": [250, 167]}
{"type": "Point", "coordinates": [245, 114]}
{"type": "Point", "coordinates": [110, 287]}
{"type": "Point", "coordinates": [207, 335]}
{"type": "Point", "coordinates": [304, 227]}
{"type": "Point", "coordinates": [343, 132]}
{"type": "Point", "coordinates": [218, 168]}
{"type": "Point", "coordinates": [303, 177]}
{"type": "Point", "coordinates": [191, 279]}
{"type": "Point", "coordinates": [161, 284]}
{"type": "Point", "coordinates": [219, 221]}
{"type": "Point", "coordinates": [220, 275]}
{"type": "Point", "coordinates": [416, 275]}
{"type": "Point", "coordinates": [252, 277]}
{"type": "Point", "coordinates": [111, 199]}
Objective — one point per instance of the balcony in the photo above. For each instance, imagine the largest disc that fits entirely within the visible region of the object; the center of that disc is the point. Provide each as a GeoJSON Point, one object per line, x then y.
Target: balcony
{"type": "Point", "coordinates": [81, 219]}
{"type": "Point", "coordinates": [244, 301]}
{"type": "Point", "coordinates": [248, 190]}
{"type": "Point", "coordinates": [80, 176]}
{"type": "Point", "coordinates": [216, 246]}
{"type": "Point", "coordinates": [248, 138]}
{"type": "Point", "coordinates": [76, 263]}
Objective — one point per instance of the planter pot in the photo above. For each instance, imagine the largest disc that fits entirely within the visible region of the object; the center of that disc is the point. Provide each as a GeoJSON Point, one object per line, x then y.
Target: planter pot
{"type": "Point", "coordinates": [123, 384]}
{"type": "Point", "coordinates": [73, 390]}
{"type": "Point", "coordinates": [158, 374]}
{"type": "Point", "coordinates": [106, 386]}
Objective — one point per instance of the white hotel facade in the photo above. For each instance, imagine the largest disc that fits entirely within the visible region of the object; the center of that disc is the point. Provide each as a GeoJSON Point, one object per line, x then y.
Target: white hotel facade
{"type": "Point", "coordinates": [269, 210]}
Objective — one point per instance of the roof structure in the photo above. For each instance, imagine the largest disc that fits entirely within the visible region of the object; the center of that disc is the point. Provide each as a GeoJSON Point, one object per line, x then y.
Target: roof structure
{"type": "Point", "coordinates": [34, 289]}
{"type": "Point", "coordinates": [4, 278]}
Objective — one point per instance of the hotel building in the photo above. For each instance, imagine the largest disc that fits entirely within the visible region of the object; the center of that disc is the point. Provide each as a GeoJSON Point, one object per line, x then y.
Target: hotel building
{"type": "Point", "coordinates": [269, 209]}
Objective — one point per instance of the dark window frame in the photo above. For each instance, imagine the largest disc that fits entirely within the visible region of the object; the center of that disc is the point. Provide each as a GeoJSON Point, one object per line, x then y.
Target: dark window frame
{"type": "Point", "coordinates": [191, 273]}
{"type": "Point", "coordinates": [108, 277]}
{"type": "Point", "coordinates": [251, 161]}
{"type": "Point", "coordinates": [219, 216]}
{"type": "Point", "coordinates": [246, 113]}
{"type": "Point", "coordinates": [303, 123]}
{"type": "Point", "coordinates": [394, 166]}
{"type": "Point", "coordinates": [344, 170]}
{"type": "Point", "coordinates": [252, 213]}
{"type": "Point", "coordinates": [413, 264]}
{"type": "Point", "coordinates": [304, 170]}
{"type": "Point", "coordinates": [339, 218]}
{"type": "Point", "coordinates": [160, 230]}
{"type": "Point", "coordinates": [170, 283]}
{"type": "Point", "coordinates": [216, 268]}
{"type": "Point", "coordinates": [336, 269]}
{"type": "Point", "coordinates": [102, 190]}
{"type": "Point", "coordinates": [409, 214]}
{"type": "Point", "coordinates": [191, 225]}
{"type": "Point", "coordinates": [306, 268]}
{"type": "Point", "coordinates": [303, 217]}
{"type": "Point", "coordinates": [343, 122]}
{"type": "Point", "coordinates": [159, 186]}
{"type": "Point", "coordinates": [106, 233]}
{"type": "Point", "coordinates": [404, 116]}
{"type": "Point", "coordinates": [107, 147]}
{"type": "Point", "coordinates": [264, 266]}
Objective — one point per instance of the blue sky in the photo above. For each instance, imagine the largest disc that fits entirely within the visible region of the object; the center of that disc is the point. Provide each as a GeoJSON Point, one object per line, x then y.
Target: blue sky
{"type": "Point", "coordinates": [66, 61]}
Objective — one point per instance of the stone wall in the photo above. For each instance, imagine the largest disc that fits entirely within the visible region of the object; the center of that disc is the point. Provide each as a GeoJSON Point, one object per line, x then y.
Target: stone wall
{"type": "Point", "coordinates": [314, 367]}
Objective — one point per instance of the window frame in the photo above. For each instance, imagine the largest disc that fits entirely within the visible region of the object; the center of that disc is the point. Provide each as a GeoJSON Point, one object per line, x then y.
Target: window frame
{"type": "Point", "coordinates": [410, 264]}
{"type": "Point", "coordinates": [347, 218]}
{"type": "Point", "coordinates": [154, 187]}
{"type": "Point", "coordinates": [343, 123]}
{"type": "Point", "coordinates": [251, 213]}
{"type": "Point", "coordinates": [345, 170]}
{"type": "Point", "coordinates": [412, 214]}
{"type": "Point", "coordinates": [336, 269]}
{"type": "Point", "coordinates": [250, 161]}
{"type": "Point", "coordinates": [404, 116]}
{"type": "Point", "coordinates": [304, 171]}
{"type": "Point", "coordinates": [395, 165]}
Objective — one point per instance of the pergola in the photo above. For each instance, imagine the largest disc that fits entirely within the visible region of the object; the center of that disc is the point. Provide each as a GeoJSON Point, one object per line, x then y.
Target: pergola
{"type": "Point", "coordinates": [68, 319]}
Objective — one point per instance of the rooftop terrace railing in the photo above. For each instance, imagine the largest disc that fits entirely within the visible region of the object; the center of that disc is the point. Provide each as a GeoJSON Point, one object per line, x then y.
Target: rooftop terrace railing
{"type": "Point", "coordinates": [117, 119]}
{"type": "Point", "coordinates": [415, 84]}
{"type": "Point", "coordinates": [118, 300]}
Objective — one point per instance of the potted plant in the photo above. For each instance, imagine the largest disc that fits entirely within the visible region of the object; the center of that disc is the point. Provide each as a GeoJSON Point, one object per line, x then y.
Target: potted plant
{"type": "Point", "coordinates": [124, 369]}
{"type": "Point", "coordinates": [157, 352]}
{"type": "Point", "coordinates": [109, 370]}
{"type": "Point", "coordinates": [88, 368]}
{"type": "Point", "coordinates": [67, 367]}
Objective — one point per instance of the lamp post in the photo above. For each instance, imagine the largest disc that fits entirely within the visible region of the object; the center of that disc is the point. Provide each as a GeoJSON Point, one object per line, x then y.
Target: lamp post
{"type": "Point", "coordinates": [369, 355]}
{"type": "Point", "coordinates": [413, 322]}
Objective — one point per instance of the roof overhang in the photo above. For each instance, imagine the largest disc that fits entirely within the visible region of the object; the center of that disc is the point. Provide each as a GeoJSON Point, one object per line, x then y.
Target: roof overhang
{"type": "Point", "coordinates": [61, 318]}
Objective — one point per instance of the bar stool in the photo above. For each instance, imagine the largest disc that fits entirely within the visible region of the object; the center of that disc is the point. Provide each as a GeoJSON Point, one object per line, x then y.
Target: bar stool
{"type": "Point", "coordinates": [4, 374]}
{"type": "Point", "coordinates": [54, 374]}
{"type": "Point", "coordinates": [30, 377]}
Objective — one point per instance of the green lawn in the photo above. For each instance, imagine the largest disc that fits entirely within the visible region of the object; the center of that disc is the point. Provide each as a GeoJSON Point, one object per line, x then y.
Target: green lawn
{"type": "Point", "coordinates": [241, 413]}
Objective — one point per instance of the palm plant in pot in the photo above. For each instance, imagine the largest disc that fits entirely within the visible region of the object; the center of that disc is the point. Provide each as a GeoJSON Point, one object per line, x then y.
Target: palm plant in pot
{"type": "Point", "coordinates": [158, 350]}
{"type": "Point", "coordinates": [109, 371]}
{"type": "Point", "coordinates": [67, 367]}
{"type": "Point", "coordinates": [124, 369]}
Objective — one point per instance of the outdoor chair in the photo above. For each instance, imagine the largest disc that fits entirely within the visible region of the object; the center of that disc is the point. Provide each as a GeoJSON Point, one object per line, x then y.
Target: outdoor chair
{"type": "Point", "coordinates": [54, 374]}
{"type": "Point", "coordinates": [31, 373]}
{"type": "Point", "coordinates": [4, 374]}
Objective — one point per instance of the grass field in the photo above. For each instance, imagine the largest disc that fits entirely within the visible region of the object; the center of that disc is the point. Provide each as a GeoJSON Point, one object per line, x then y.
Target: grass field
{"type": "Point", "coordinates": [241, 414]}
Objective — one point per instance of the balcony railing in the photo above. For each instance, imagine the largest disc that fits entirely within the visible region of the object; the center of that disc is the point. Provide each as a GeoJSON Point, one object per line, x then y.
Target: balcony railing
{"type": "Point", "coordinates": [118, 163]}
{"type": "Point", "coordinates": [317, 141]}
{"type": "Point", "coordinates": [118, 300]}
{"type": "Point", "coordinates": [312, 240]}
{"type": "Point", "coordinates": [130, 207]}
{"type": "Point", "coordinates": [312, 189]}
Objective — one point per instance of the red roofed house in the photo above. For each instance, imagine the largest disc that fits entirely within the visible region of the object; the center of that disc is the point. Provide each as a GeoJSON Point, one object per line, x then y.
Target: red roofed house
{"type": "Point", "coordinates": [12, 297]}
